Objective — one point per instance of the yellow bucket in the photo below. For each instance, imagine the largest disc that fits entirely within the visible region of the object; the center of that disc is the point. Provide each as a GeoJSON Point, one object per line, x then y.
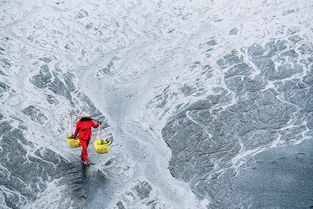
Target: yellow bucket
{"type": "Point", "coordinates": [102, 145]}
{"type": "Point", "coordinates": [72, 143]}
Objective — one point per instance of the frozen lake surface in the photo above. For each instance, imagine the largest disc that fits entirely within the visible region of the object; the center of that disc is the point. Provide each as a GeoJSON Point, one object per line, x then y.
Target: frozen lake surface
{"type": "Point", "coordinates": [209, 103]}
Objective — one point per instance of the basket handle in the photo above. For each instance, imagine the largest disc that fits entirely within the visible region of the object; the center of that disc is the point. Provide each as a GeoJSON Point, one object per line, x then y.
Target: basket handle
{"type": "Point", "coordinates": [100, 132]}
{"type": "Point", "coordinates": [70, 128]}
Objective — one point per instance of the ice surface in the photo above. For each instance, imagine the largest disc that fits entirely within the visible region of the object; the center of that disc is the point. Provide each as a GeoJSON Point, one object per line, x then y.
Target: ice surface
{"type": "Point", "coordinates": [209, 103]}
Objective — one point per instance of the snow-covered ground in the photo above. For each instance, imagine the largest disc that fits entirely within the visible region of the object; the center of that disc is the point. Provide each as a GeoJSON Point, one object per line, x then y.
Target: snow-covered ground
{"type": "Point", "coordinates": [209, 103]}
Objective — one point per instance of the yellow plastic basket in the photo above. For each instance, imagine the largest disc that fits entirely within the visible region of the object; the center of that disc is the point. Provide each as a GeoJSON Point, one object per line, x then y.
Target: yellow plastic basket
{"type": "Point", "coordinates": [72, 143]}
{"type": "Point", "coordinates": [102, 145]}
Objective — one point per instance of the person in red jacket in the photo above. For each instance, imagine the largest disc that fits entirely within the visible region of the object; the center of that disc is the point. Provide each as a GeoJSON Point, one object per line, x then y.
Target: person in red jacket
{"type": "Point", "coordinates": [83, 129]}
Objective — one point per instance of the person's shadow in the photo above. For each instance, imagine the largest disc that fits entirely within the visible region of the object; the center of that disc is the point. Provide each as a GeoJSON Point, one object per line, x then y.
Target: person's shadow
{"type": "Point", "coordinates": [78, 181]}
{"type": "Point", "coordinates": [85, 183]}
{"type": "Point", "coordinates": [85, 180]}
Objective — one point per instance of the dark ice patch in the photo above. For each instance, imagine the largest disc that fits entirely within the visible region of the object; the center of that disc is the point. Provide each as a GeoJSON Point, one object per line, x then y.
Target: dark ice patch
{"type": "Point", "coordinates": [258, 138]}
{"type": "Point", "coordinates": [290, 55]}
{"type": "Point", "coordinates": [43, 78]}
{"type": "Point", "coordinates": [274, 47]}
{"type": "Point", "coordinates": [89, 26]}
{"type": "Point", "coordinates": [6, 62]}
{"type": "Point", "coordinates": [241, 84]}
{"type": "Point", "coordinates": [239, 69]}
{"type": "Point", "coordinates": [293, 30]}
{"type": "Point", "coordinates": [308, 79]}
{"type": "Point", "coordinates": [187, 90]}
{"type": "Point", "coordinates": [233, 31]}
{"type": "Point", "coordinates": [268, 70]}
{"type": "Point", "coordinates": [109, 67]}
{"type": "Point", "coordinates": [211, 43]}
{"type": "Point", "coordinates": [289, 11]}
{"type": "Point", "coordinates": [286, 70]}
{"type": "Point", "coordinates": [230, 59]}
{"type": "Point", "coordinates": [295, 39]}
{"type": "Point", "coordinates": [306, 48]}
{"type": "Point", "coordinates": [206, 135]}
{"type": "Point", "coordinates": [59, 88]}
{"type": "Point", "coordinates": [4, 126]}
{"type": "Point", "coordinates": [82, 13]}
{"type": "Point", "coordinates": [120, 205]}
{"type": "Point", "coordinates": [283, 180]}
{"type": "Point", "coordinates": [256, 50]}
{"type": "Point", "coordinates": [194, 151]}
{"type": "Point", "coordinates": [4, 87]}
{"type": "Point", "coordinates": [52, 99]}
{"type": "Point", "coordinates": [46, 60]}
{"type": "Point", "coordinates": [35, 114]}
{"type": "Point", "coordinates": [143, 189]}
{"type": "Point", "coordinates": [25, 174]}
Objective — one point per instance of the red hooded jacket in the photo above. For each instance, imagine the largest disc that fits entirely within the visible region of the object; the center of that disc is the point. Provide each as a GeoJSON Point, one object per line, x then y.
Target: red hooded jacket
{"type": "Point", "coordinates": [83, 129]}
